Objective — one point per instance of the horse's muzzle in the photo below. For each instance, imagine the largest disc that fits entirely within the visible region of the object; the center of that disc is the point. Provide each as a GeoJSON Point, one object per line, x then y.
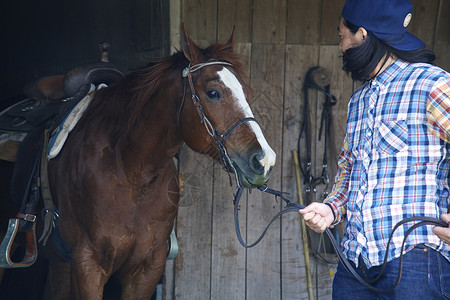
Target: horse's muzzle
{"type": "Point", "coordinates": [255, 171]}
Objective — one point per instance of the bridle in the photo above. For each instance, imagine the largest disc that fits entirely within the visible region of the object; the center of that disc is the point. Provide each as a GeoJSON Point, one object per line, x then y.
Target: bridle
{"type": "Point", "coordinates": [311, 180]}
{"type": "Point", "coordinates": [218, 137]}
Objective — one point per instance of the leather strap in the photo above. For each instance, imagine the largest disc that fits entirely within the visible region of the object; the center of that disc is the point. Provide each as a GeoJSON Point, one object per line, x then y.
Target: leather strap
{"type": "Point", "coordinates": [26, 217]}
{"type": "Point", "coordinates": [50, 213]}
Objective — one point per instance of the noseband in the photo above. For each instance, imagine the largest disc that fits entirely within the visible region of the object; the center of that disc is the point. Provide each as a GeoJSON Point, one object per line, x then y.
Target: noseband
{"type": "Point", "coordinates": [218, 137]}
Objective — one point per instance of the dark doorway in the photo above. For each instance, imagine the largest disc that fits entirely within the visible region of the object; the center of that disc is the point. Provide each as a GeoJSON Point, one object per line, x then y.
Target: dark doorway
{"type": "Point", "coordinates": [42, 38]}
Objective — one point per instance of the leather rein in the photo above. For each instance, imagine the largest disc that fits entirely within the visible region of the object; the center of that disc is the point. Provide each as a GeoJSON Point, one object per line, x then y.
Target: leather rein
{"type": "Point", "coordinates": [294, 207]}
{"type": "Point", "coordinates": [220, 139]}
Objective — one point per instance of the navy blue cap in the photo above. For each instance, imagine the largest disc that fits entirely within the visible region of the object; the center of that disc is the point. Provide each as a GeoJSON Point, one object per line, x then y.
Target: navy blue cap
{"type": "Point", "coordinates": [386, 19]}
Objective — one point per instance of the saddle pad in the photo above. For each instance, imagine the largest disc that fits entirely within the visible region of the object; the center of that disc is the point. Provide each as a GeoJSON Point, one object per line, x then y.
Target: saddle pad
{"type": "Point", "coordinates": [9, 144]}
{"type": "Point", "coordinates": [61, 133]}
{"type": "Point", "coordinates": [8, 136]}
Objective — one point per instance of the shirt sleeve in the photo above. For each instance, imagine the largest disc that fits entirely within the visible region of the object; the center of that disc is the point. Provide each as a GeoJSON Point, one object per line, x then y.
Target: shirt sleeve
{"type": "Point", "coordinates": [338, 196]}
{"type": "Point", "coordinates": [438, 109]}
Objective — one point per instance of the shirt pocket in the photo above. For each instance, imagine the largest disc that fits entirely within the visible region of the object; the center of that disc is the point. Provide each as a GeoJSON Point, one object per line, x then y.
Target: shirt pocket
{"type": "Point", "coordinates": [392, 137]}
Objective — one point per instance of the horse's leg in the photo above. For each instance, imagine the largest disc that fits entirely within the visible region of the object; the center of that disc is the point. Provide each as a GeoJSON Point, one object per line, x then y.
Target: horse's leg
{"type": "Point", "coordinates": [142, 283]}
{"type": "Point", "coordinates": [57, 285]}
{"type": "Point", "coordinates": [87, 277]}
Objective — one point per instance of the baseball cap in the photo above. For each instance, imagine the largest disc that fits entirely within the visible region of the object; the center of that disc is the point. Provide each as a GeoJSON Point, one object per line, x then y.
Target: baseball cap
{"type": "Point", "coordinates": [386, 19]}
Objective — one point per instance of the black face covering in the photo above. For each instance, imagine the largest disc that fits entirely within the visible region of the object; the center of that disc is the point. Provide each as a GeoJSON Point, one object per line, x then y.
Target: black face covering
{"type": "Point", "coordinates": [352, 64]}
{"type": "Point", "coordinates": [360, 61]}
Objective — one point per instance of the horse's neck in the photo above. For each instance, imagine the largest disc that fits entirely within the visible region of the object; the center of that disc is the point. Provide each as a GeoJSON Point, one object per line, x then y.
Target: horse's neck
{"type": "Point", "coordinates": [156, 136]}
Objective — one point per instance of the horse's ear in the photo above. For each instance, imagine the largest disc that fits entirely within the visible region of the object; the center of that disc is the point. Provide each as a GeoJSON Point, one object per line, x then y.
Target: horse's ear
{"type": "Point", "coordinates": [230, 42]}
{"type": "Point", "coordinates": [190, 49]}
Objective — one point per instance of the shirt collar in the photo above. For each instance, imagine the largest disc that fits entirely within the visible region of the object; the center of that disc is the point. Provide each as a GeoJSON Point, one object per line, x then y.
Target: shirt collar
{"type": "Point", "coordinates": [390, 73]}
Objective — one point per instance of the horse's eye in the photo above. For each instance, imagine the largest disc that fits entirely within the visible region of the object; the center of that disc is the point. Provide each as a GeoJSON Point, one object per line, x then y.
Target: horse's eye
{"type": "Point", "coordinates": [213, 94]}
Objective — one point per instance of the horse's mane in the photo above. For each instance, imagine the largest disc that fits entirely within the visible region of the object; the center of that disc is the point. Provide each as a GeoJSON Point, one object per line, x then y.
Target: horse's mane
{"type": "Point", "coordinates": [149, 79]}
{"type": "Point", "coordinates": [127, 98]}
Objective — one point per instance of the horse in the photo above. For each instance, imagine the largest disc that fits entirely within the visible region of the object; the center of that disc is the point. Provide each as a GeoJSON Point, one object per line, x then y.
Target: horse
{"type": "Point", "coordinates": [115, 183]}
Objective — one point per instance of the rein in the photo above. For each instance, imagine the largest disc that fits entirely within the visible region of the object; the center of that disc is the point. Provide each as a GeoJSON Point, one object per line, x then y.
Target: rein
{"type": "Point", "coordinates": [218, 137]}
{"type": "Point", "coordinates": [294, 207]}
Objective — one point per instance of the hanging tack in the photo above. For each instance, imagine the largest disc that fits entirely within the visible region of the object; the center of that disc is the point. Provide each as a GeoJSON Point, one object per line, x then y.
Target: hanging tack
{"type": "Point", "coordinates": [320, 76]}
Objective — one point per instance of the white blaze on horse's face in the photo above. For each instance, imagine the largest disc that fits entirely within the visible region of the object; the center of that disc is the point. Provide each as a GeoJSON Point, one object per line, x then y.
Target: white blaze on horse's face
{"type": "Point", "coordinates": [230, 80]}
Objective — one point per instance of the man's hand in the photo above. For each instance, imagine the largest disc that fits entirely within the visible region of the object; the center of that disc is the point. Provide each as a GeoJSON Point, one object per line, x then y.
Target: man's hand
{"type": "Point", "coordinates": [443, 232]}
{"type": "Point", "coordinates": [318, 216]}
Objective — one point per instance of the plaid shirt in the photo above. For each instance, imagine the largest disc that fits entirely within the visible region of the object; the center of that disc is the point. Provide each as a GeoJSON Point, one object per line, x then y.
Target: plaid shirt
{"type": "Point", "coordinates": [395, 161]}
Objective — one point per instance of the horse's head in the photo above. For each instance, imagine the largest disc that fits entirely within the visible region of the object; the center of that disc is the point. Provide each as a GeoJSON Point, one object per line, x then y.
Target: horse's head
{"type": "Point", "coordinates": [216, 117]}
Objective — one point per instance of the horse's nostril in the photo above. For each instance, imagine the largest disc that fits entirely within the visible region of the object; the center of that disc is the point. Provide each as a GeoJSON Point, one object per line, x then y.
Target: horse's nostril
{"type": "Point", "coordinates": [256, 164]}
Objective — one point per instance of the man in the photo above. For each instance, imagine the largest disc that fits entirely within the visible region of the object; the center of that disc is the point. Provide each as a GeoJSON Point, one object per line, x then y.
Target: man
{"type": "Point", "coordinates": [395, 160]}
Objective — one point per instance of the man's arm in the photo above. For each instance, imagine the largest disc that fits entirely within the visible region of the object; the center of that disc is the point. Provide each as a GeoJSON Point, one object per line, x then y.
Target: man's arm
{"type": "Point", "coordinates": [319, 216]}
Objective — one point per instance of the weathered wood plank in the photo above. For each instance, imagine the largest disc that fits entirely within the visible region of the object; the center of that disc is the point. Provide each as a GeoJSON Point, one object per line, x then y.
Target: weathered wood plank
{"type": "Point", "coordinates": [175, 25]}
{"type": "Point", "coordinates": [303, 22]}
{"type": "Point", "coordinates": [269, 21]}
{"type": "Point", "coordinates": [423, 20]}
{"type": "Point", "coordinates": [263, 261]}
{"type": "Point", "coordinates": [299, 58]}
{"type": "Point", "coordinates": [235, 13]}
{"type": "Point", "coordinates": [331, 14]}
{"type": "Point", "coordinates": [442, 37]}
{"type": "Point", "coordinates": [228, 256]}
{"type": "Point", "coordinates": [200, 18]}
{"type": "Point", "coordinates": [193, 263]}
{"type": "Point", "coordinates": [245, 49]}
{"type": "Point", "coordinates": [169, 283]}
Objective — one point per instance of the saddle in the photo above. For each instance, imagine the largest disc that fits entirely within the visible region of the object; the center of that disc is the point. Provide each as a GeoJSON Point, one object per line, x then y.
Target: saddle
{"type": "Point", "coordinates": [50, 100]}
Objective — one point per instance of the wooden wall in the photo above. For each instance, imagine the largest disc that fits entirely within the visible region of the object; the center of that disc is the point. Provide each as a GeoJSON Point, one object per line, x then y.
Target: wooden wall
{"type": "Point", "coordinates": [281, 39]}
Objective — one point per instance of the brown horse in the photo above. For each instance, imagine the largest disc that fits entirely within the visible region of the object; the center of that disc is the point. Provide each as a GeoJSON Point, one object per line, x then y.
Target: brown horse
{"type": "Point", "coordinates": [115, 183]}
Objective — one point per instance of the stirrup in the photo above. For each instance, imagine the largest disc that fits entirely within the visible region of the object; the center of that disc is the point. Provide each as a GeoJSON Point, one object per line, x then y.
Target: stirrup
{"type": "Point", "coordinates": [173, 251]}
{"type": "Point", "coordinates": [5, 247]}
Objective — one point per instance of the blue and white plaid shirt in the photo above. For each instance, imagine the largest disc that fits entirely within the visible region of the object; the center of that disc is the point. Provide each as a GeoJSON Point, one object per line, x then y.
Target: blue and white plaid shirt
{"type": "Point", "coordinates": [395, 162]}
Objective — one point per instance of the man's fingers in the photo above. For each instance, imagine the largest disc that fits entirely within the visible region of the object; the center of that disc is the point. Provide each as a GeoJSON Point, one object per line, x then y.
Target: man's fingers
{"type": "Point", "coordinates": [442, 233]}
{"type": "Point", "coordinates": [445, 217]}
{"type": "Point", "coordinates": [316, 219]}
{"type": "Point", "coordinates": [309, 215]}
